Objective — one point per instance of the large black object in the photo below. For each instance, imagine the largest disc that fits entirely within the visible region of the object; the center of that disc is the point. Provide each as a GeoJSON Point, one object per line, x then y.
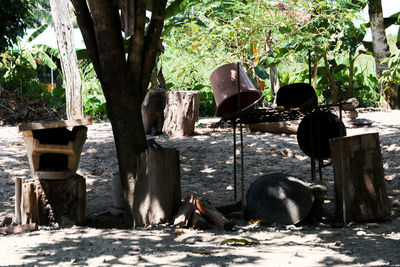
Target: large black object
{"type": "Point", "coordinates": [314, 132]}
{"type": "Point", "coordinates": [297, 95]}
{"type": "Point", "coordinates": [279, 199]}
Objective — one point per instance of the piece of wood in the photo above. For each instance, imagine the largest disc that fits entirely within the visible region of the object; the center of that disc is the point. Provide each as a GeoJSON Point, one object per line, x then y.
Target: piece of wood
{"type": "Point", "coordinates": [18, 229]}
{"type": "Point", "coordinates": [214, 215]}
{"type": "Point", "coordinates": [360, 187]}
{"type": "Point", "coordinates": [47, 202]}
{"type": "Point", "coordinates": [69, 62]}
{"type": "Point", "coordinates": [350, 104]}
{"type": "Point", "coordinates": [197, 221]}
{"type": "Point", "coordinates": [181, 113]}
{"type": "Point", "coordinates": [288, 127]}
{"type": "Point", "coordinates": [157, 191]}
{"type": "Point", "coordinates": [153, 111]}
{"type": "Point", "coordinates": [17, 198]}
{"type": "Point", "coordinates": [185, 212]}
{"type": "Point", "coordinates": [53, 124]}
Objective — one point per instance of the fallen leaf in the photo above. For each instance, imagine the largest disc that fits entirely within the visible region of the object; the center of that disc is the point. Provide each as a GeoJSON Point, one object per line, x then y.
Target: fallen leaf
{"type": "Point", "coordinates": [237, 242]}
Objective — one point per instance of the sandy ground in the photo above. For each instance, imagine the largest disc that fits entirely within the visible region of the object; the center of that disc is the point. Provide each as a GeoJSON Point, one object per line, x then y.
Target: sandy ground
{"type": "Point", "coordinates": [206, 169]}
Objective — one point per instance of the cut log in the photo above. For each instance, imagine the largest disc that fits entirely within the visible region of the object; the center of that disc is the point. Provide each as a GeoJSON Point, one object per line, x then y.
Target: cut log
{"type": "Point", "coordinates": [157, 191]}
{"type": "Point", "coordinates": [181, 113]}
{"type": "Point", "coordinates": [60, 201]}
{"type": "Point", "coordinates": [350, 104]}
{"type": "Point", "coordinates": [153, 111]}
{"type": "Point", "coordinates": [360, 187]}
{"type": "Point", "coordinates": [214, 215]}
{"type": "Point", "coordinates": [185, 212]}
{"type": "Point", "coordinates": [287, 127]}
{"type": "Point", "coordinates": [197, 221]}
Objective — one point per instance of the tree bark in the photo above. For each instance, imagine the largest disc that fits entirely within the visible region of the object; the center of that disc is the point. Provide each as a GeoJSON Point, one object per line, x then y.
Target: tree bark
{"type": "Point", "coordinates": [59, 201]}
{"type": "Point", "coordinates": [181, 113]}
{"type": "Point", "coordinates": [124, 81]}
{"type": "Point", "coordinates": [69, 62]}
{"type": "Point", "coordinates": [275, 83]}
{"type": "Point", "coordinates": [381, 50]}
{"type": "Point", "coordinates": [360, 187]}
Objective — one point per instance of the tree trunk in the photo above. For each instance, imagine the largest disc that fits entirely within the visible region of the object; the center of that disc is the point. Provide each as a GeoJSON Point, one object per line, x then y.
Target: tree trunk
{"type": "Point", "coordinates": [381, 50]}
{"type": "Point", "coordinates": [69, 62]}
{"type": "Point", "coordinates": [275, 83]}
{"type": "Point", "coordinates": [124, 79]}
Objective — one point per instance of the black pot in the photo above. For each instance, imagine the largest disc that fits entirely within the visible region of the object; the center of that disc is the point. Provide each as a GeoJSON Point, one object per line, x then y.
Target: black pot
{"type": "Point", "coordinates": [278, 199]}
{"type": "Point", "coordinates": [297, 95]}
{"type": "Point", "coordinates": [314, 132]}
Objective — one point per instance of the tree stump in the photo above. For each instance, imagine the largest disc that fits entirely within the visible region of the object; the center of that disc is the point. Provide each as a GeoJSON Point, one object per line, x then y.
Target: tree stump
{"type": "Point", "coordinates": [360, 187]}
{"type": "Point", "coordinates": [153, 111]}
{"type": "Point", "coordinates": [47, 202]}
{"type": "Point", "coordinates": [181, 113]}
{"type": "Point", "coordinates": [157, 191]}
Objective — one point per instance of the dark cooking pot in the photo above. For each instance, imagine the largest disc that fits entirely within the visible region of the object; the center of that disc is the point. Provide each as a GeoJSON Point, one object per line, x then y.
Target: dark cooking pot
{"type": "Point", "coordinates": [314, 132]}
{"type": "Point", "coordinates": [279, 199]}
{"type": "Point", "coordinates": [224, 84]}
{"type": "Point", "coordinates": [297, 95]}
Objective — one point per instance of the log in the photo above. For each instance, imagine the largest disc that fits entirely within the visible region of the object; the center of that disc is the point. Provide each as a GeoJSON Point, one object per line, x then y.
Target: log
{"type": "Point", "coordinates": [185, 212]}
{"type": "Point", "coordinates": [153, 111]}
{"type": "Point", "coordinates": [157, 191]}
{"type": "Point", "coordinates": [60, 201]}
{"type": "Point", "coordinates": [181, 113]}
{"type": "Point", "coordinates": [287, 127]}
{"type": "Point", "coordinates": [214, 215]}
{"type": "Point", "coordinates": [350, 104]}
{"type": "Point", "coordinates": [360, 188]}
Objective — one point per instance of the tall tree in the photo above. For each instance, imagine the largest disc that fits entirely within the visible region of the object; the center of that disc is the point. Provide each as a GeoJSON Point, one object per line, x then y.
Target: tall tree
{"type": "Point", "coordinates": [381, 50]}
{"type": "Point", "coordinates": [124, 73]}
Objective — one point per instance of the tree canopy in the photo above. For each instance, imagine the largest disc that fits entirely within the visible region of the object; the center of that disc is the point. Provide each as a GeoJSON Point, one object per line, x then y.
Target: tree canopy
{"type": "Point", "coordinates": [15, 17]}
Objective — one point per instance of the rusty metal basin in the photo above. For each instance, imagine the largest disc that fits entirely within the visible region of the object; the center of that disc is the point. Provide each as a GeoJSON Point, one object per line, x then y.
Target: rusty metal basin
{"type": "Point", "coordinates": [224, 83]}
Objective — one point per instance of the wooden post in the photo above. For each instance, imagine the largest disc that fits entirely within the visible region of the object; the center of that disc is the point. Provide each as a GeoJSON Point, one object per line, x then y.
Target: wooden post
{"type": "Point", "coordinates": [157, 191]}
{"type": "Point", "coordinates": [69, 62]}
{"type": "Point", "coordinates": [181, 113]}
{"type": "Point", "coordinates": [357, 161]}
{"type": "Point", "coordinates": [59, 201]}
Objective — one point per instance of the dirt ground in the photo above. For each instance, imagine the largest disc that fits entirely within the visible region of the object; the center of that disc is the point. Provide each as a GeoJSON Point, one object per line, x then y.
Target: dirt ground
{"type": "Point", "coordinates": [206, 170]}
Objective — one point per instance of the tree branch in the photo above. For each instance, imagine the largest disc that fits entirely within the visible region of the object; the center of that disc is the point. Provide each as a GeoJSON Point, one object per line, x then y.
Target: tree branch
{"type": "Point", "coordinates": [136, 42]}
{"type": "Point", "coordinates": [152, 41]}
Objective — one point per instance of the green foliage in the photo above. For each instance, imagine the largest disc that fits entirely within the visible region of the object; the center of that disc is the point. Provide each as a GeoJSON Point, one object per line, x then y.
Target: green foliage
{"type": "Point", "coordinates": [94, 103]}
{"type": "Point", "coordinates": [391, 76]}
{"type": "Point", "coordinates": [15, 17]}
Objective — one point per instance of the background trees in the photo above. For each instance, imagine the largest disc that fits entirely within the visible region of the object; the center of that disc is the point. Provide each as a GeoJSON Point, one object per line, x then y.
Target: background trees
{"type": "Point", "coordinates": [15, 17]}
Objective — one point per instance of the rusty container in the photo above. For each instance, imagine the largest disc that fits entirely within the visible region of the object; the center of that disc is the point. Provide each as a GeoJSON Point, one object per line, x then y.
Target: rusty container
{"type": "Point", "coordinates": [224, 83]}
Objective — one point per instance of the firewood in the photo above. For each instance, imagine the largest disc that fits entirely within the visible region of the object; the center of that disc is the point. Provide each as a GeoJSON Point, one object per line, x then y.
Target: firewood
{"type": "Point", "coordinates": [185, 211]}
{"type": "Point", "coordinates": [214, 215]}
{"type": "Point", "coordinates": [19, 229]}
{"type": "Point", "coordinates": [197, 221]}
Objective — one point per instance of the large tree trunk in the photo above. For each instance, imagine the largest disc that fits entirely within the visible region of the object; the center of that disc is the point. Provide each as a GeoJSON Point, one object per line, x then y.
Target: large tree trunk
{"type": "Point", "coordinates": [69, 62]}
{"type": "Point", "coordinates": [124, 80]}
{"type": "Point", "coordinates": [381, 50]}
